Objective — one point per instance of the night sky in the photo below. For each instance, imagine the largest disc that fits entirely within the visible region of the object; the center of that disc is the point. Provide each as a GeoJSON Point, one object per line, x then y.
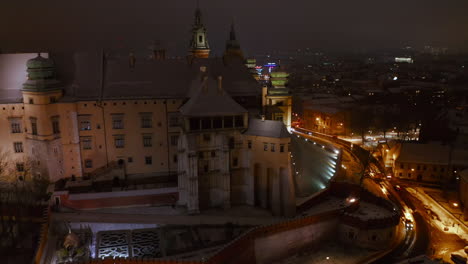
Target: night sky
{"type": "Point", "coordinates": [262, 26]}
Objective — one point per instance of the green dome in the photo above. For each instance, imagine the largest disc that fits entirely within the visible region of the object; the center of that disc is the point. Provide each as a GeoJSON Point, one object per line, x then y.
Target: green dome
{"type": "Point", "coordinates": [40, 63]}
{"type": "Point", "coordinates": [41, 75]}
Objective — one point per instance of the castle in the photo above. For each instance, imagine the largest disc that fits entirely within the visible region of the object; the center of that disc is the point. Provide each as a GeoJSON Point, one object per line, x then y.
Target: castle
{"type": "Point", "coordinates": [196, 121]}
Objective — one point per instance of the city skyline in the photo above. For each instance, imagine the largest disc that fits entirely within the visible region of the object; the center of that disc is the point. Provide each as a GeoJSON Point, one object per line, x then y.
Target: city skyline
{"type": "Point", "coordinates": [260, 26]}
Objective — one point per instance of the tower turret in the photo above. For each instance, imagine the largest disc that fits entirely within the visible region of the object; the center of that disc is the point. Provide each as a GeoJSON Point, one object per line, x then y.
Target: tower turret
{"type": "Point", "coordinates": [233, 49]}
{"type": "Point", "coordinates": [199, 47]}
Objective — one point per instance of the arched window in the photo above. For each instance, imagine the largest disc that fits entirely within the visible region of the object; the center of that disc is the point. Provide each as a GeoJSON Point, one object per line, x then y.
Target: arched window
{"type": "Point", "coordinates": [200, 39]}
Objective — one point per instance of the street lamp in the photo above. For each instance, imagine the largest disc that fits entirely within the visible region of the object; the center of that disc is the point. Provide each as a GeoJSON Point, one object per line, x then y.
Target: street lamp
{"type": "Point", "coordinates": [455, 204]}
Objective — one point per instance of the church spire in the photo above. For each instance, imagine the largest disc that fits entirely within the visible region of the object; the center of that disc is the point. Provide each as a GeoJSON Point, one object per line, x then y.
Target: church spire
{"type": "Point", "coordinates": [199, 47]}
{"type": "Point", "coordinates": [232, 45]}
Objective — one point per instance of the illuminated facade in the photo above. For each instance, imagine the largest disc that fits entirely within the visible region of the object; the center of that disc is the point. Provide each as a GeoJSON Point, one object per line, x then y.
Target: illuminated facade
{"type": "Point", "coordinates": [76, 115]}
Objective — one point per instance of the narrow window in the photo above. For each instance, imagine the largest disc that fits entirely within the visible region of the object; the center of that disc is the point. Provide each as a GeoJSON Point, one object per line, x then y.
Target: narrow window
{"type": "Point", "coordinates": [281, 147]}
{"type": "Point", "coordinates": [265, 146]}
{"type": "Point", "coordinates": [235, 162]}
{"type": "Point", "coordinates": [34, 126]}
{"type": "Point", "coordinates": [18, 147]}
{"type": "Point", "coordinates": [174, 140]}
{"type": "Point", "coordinates": [55, 125]}
{"type": "Point", "coordinates": [200, 38]}
{"type": "Point", "coordinates": [249, 144]}
{"type": "Point", "coordinates": [272, 147]}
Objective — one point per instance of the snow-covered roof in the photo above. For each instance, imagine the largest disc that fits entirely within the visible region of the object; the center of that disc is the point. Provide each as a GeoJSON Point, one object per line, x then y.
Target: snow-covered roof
{"type": "Point", "coordinates": [267, 128]}
{"type": "Point", "coordinates": [431, 153]}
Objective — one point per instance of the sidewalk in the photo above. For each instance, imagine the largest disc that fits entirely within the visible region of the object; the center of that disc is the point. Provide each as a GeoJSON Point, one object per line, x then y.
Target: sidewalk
{"type": "Point", "coordinates": [445, 221]}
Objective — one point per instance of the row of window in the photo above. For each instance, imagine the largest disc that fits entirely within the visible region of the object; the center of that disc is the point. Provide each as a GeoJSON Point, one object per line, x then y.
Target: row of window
{"type": "Point", "coordinates": [119, 141]}
{"type": "Point", "coordinates": [148, 161]}
{"type": "Point", "coordinates": [15, 125]}
{"type": "Point", "coordinates": [272, 147]}
{"type": "Point", "coordinates": [146, 121]}
{"type": "Point", "coordinates": [421, 167]}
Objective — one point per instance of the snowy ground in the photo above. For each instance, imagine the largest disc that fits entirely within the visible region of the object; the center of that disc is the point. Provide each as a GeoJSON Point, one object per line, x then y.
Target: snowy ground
{"type": "Point", "coordinates": [330, 253]}
{"type": "Point", "coordinates": [442, 220]}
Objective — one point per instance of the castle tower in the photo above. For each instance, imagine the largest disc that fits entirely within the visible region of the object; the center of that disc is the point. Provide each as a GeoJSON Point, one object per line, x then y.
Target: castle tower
{"type": "Point", "coordinates": [199, 47]}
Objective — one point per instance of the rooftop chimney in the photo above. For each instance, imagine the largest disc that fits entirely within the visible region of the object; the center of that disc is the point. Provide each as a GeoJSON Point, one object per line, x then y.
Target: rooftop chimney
{"type": "Point", "coordinates": [220, 85]}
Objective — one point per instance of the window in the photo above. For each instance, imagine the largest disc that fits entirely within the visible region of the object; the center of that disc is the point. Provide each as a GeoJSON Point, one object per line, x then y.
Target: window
{"type": "Point", "coordinates": [200, 38]}
{"type": "Point", "coordinates": [52, 99]}
{"type": "Point", "coordinates": [402, 166]}
{"type": "Point", "coordinates": [239, 121]}
{"type": "Point", "coordinates": [409, 175]}
{"type": "Point", "coordinates": [34, 126]}
{"type": "Point", "coordinates": [173, 119]}
{"type": "Point", "coordinates": [249, 144]}
{"type": "Point", "coordinates": [31, 101]}
{"type": "Point", "coordinates": [174, 158]}
{"type": "Point", "coordinates": [129, 159]}
{"type": "Point", "coordinates": [235, 162]}
{"type": "Point", "coordinates": [148, 160]}
{"type": "Point", "coordinates": [424, 167]}
{"type": "Point", "coordinates": [147, 140]}
{"type": "Point", "coordinates": [174, 140]}
{"type": "Point", "coordinates": [15, 124]}
{"type": "Point", "coordinates": [442, 169]}
{"type": "Point", "coordinates": [18, 147]}
{"type": "Point", "coordinates": [20, 167]}
{"type": "Point", "coordinates": [86, 142]}
{"type": "Point", "coordinates": [85, 122]}
{"type": "Point", "coordinates": [206, 137]}
{"type": "Point", "coordinates": [281, 147]}
{"type": "Point", "coordinates": [401, 174]}
{"type": "Point", "coordinates": [117, 121]}
{"type": "Point", "coordinates": [119, 141]}
{"type": "Point", "coordinates": [265, 146]}
{"type": "Point", "coordinates": [146, 120]}
{"type": "Point", "coordinates": [55, 125]}
{"type": "Point", "coordinates": [272, 147]}
{"type": "Point", "coordinates": [213, 153]}
{"type": "Point", "coordinates": [88, 163]}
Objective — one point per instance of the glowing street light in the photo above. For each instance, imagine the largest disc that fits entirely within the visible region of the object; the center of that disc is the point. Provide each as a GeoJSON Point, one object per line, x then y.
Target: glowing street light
{"type": "Point", "coordinates": [455, 204]}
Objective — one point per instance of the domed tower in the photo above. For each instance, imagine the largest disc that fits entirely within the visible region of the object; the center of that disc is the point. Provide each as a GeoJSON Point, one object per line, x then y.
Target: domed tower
{"type": "Point", "coordinates": [43, 117]}
{"type": "Point", "coordinates": [199, 47]}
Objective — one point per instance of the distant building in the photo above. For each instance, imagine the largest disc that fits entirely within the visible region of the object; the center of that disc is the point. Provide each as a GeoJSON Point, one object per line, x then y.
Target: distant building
{"type": "Point", "coordinates": [277, 99]}
{"type": "Point", "coordinates": [431, 162]}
